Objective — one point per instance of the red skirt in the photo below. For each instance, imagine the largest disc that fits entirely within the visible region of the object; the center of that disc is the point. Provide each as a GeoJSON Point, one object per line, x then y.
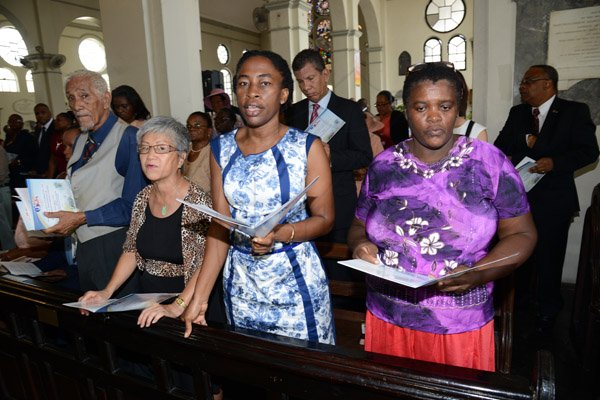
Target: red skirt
{"type": "Point", "coordinates": [474, 349]}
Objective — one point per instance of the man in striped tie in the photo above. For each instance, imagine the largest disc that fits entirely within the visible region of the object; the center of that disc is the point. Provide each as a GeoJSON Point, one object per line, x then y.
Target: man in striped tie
{"type": "Point", "coordinates": [349, 149]}
{"type": "Point", "coordinates": [105, 176]}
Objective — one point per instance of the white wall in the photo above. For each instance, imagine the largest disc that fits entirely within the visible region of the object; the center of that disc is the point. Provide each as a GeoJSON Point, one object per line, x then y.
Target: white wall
{"type": "Point", "coordinates": [407, 30]}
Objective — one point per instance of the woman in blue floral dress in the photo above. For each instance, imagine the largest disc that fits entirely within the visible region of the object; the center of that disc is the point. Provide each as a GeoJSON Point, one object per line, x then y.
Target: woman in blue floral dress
{"type": "Point", "coordinates": [274, 284]}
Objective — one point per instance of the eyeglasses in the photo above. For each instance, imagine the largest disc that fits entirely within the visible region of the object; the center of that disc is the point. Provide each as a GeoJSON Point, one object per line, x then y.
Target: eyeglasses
{"type": "Point", "coordinates": [158, 149]}
{"type": "Point", "coordinates": [529, 81]}
{"type": "Point", "coordinates": [196, 126]}
{"type": "Point", "coordinates": [421, 66]}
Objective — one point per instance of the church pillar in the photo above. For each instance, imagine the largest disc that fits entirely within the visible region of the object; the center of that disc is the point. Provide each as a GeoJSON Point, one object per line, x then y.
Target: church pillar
{"type": "Point", "coordinates": [47, 77]}
{"type": "Point", "coordinates": [346, 51]}
{"type": "Point", "coordinates": [159, 56]}
{"type": "Point", "coordinates": [288, 30]}
{"type": "Point", "coordinates": [376, 68]}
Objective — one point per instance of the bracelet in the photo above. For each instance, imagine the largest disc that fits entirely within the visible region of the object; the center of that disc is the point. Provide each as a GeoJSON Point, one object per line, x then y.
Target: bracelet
{"type": "Point", "coordinates": [180, 302]}
{"type": "Point", "coordinates": [292, 235]}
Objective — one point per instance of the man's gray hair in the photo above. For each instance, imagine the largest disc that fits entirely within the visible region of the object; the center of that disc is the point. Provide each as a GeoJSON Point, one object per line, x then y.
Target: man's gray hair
{"type": "Point", "coordinates": [175, 131]}
{"type": "Point", "coordinates": [98, 82]}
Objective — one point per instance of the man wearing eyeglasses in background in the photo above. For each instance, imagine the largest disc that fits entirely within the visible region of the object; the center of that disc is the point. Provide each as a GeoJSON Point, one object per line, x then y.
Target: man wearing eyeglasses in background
{"type": "Point", "coordinates": [560, 136]}
{"type": "Point", "coordinates": [105, 176]}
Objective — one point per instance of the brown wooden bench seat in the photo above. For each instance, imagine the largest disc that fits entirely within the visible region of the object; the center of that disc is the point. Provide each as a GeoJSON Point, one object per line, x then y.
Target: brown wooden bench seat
{"type": "Point", "coordinates": [49, 351]}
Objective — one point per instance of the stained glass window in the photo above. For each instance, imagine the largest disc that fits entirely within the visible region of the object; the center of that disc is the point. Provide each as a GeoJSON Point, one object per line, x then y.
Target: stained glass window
{"type": "Point", "coordinates": [319, 26]}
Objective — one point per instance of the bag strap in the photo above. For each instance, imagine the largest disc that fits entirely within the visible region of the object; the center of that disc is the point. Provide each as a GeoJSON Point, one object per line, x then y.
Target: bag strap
{"type": "Point", "coordinates": [471, 124]}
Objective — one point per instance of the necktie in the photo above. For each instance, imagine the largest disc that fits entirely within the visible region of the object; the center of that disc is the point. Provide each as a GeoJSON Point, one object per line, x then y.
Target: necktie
{"type": "Point", "coordinates": [535, 125]}
{"type": "Point", "coordinates": [89, 149]}
{"type": "Point", "coordinates": [315, 113]}
{"type": "Point", "coordinates": [42, 133]}
{"type": "Point", "coordinates": [536, 121]}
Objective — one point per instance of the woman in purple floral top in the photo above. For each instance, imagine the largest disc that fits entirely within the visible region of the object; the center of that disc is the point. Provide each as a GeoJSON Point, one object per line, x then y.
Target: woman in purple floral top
{"type": "Point", "coordinates": [432, 205]}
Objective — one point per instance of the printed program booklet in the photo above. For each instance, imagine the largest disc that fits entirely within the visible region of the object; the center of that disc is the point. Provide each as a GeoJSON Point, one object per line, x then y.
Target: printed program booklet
{"type": "Point", "coordinates": [40, 196]}
{"type": "Point", "coordinates": [530, 179]}
{"type": "Point", "coordinates": [16, 267]}
{"type": "Point", "coordinates": [326, 125]}
{"type": "Point", "coordinates": [133, 301]}
{"type": "Point", "coordinates": [410, 279]}
{"type": "Point", "coordinates": [262, 228]}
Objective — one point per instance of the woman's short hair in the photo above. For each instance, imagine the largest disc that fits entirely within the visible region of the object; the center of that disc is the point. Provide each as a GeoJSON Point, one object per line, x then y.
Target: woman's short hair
{"type": "Point", "coordinates": [280, 65]}
{"type": "Point", "coordinates": [204, 116]}
{"type": "Point", "coordinates": [175, 132]}
{"type": "Point", "coordinates": [139, 108]}
{"type": "Point", "coordinates": [432, 72]}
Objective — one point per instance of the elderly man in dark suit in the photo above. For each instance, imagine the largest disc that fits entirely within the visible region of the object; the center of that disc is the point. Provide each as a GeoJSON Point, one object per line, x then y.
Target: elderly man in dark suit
{"type": "Point", "coordinates": [560, 135]}
{"type": "Point", "coordinates": [349, 149]}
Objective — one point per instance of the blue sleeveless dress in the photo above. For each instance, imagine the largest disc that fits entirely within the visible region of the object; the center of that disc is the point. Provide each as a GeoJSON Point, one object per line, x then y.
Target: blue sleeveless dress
{"type": "Point", "coordinates": [285, 292]}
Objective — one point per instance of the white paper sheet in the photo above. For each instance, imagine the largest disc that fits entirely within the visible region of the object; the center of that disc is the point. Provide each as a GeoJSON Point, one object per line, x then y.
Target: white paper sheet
{"type": "Point", "coordinates": [133, 301]}
{"type": "Point", "coordinates": [263, 227]}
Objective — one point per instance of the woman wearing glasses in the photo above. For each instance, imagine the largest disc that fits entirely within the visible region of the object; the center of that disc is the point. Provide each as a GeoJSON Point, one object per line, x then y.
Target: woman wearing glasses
{"type": "Point", "coordinates": [432, 205]}
{"type": "Point", "coordinates": [395, 127]}
{"type": "Point", "coordinates": [166, 238]}
{"type": "Point", "coordinates": [197, 162]}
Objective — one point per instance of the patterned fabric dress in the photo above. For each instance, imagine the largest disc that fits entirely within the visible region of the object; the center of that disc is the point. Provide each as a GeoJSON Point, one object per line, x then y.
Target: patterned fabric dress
{"type": "Point", "coordinates": [429, 219]}
{"type": "Point", "coordinates": [285, 292]}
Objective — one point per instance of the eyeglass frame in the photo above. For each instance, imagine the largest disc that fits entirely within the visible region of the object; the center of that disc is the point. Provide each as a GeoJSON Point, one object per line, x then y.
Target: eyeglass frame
{"type": "Point", "coordinates": [423, 65]}
{"type": "Point", "coordinates": [195, 126]}
{"type": "Point", "coordinates": [154, 147]}
{"type": "Point", "coordinates": [531, 81]}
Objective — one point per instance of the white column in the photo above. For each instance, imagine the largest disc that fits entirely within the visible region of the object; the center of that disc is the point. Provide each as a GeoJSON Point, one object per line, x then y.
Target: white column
{"type": "Point", "coordinates": [346, 49]}
{"type": "Point", "coordinates": [376, 68]}
{"type": "Point", "coordinates": [288, 30]}
{"type": "Point", "coordinates": [160, 54]}
{"type": "Point", "coordinates": [494, 24]}
{"type": "Point", "coordinates": [346, 63]}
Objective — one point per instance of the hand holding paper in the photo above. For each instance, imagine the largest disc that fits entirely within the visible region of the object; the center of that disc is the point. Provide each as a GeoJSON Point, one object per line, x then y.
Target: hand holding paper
{"type": "Point", "coordinates": [262, 228]}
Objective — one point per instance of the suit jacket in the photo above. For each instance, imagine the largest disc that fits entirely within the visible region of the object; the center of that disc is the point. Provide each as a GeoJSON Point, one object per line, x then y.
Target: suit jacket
{"type": "Point", "coordinates": [567, 136]}
{"type": "Point", "coordinates": [350, 149]}
{"type": "Point", "coordinates": [43, 149]}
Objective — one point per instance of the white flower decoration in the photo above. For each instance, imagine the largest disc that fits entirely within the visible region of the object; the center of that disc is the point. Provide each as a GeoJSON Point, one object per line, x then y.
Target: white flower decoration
{"type": "Point", "coordinates": [415, 224]}
{"type": "Point", "coordinates": [406, 163]}
{"type": "Point", "coordinates": [455, 161]}
{"type": "Point", "coordinates": [399, 230]}
{"type": "Point", "coordinates": [428, 174]}
{"type": "Point", "coordinates": [390, 258]}
{"type": "Point", "coordinates": [431, 244]}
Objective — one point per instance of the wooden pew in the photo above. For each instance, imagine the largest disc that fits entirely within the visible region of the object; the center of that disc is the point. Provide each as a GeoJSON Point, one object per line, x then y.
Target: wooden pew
{"type": "Point", "coordinates": [48, 351]}
{"type": "Point", "coordinates": [504, 294]}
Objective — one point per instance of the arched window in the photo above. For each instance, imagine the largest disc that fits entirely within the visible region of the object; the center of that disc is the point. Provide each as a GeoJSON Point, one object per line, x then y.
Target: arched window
{"type": "Point", "coordinates": [92, 54]}
{"type": "Point", "coordinates": [227, 84]}
{"type": "Point", "coordinates": [432, 49]}
{"type": "Point", "coordinates": [223, 54]}
{"type": "Point", "coordinates": [319, 28]}
{"type": "Point", "coordinates": [457, 52]}
{"type": "Point", "coordinates": [8, 80]}
{"type": "Point", "coordinates": [12, 46]}
{"type": "Point", "coordinates": [29, 82]}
